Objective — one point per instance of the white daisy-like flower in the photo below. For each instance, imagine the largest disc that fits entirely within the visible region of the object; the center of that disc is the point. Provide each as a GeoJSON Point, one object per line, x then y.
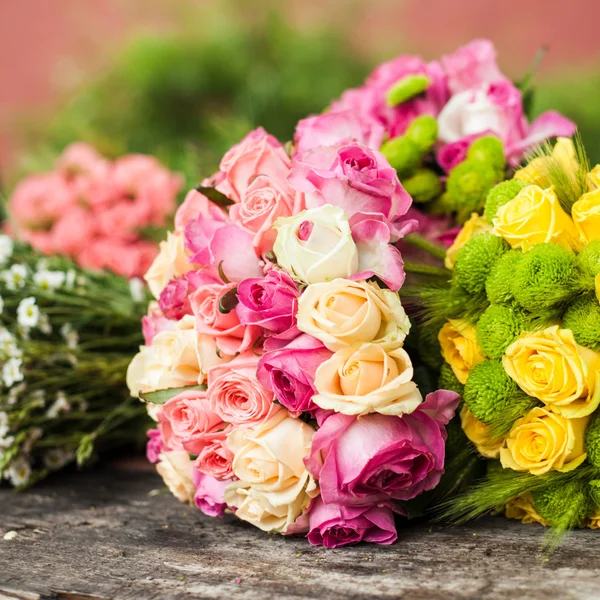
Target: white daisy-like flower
{"type": "Point", "coordinates": [70, 336]}
{"type": "Point", "coordinates": [15, 277]}
{"type": "Point", "coordinates": [8, 344]}
{"type": "Point", "coordinates": [14, 392]}
{"type": "Point", "coordinates": [3, 425]}
{"type": "Point", "coordinates": [60, 405]}
{"type": "Point", "coordinates": [28, 312]}
{"type": "Point", "coordinates": [49, 280]}
{"type": "Point", "coordinates": [57, 458]}
{"type": "Point", "coordinates": [136, 289]}
{"type": "Point", "coordinates": [11, 371]}
{"type": "Point", "coordinates": [44, 324]}
{"type": "Point", "coordinates": [1, 305]}
{"type": "Point", "coordinates": [70, 278]}
{"type": "Point", "coordinates": [19, 471]}
{"type": "Point", "coordinates": [6, 248]}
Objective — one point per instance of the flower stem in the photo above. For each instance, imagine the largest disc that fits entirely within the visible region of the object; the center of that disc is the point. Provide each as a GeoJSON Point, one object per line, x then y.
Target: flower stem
{"type": "Point", "coordinates": [424, 244]}
{"type": "Point", "coordinates": [426, 270]}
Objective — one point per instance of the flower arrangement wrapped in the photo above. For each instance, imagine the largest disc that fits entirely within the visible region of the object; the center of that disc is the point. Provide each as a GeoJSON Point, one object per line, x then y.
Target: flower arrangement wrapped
{"type": "Point", "coordinates": [274, 361]}
{"type": "Point", "coordinates": [66, 337]}
{"type": "Point", "coordinates": [99, 213]}
{"type": "Point", "coordinates": [519, 329]}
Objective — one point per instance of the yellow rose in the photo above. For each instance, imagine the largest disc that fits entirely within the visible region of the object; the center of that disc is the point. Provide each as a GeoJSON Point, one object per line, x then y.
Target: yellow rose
{"type": "Point", "coordinates": [460, 350]}
{"type": "Point", "coordinates": [551, 366]}
{"type": "Point", "coordinates": [316, 245]}
{"type": "Point", "coordinates": [533, 217]}
{"type": "Point", "coordinates": [479, 434]}
{"type": "Point", "coordinates": [171, 261]}
{"type": "Point", "coordinates": [594, 522]}
{"type": "Point", "coordinates": [534, 173]}
{"type": "Point", "coordinates": [177, 470]}
{"type": "Point", "coordinates": [274, 487]}
{"type": "Point", "coordinates": [471, 228]}
{"type": "Point", "coordinates": [176, 358]}
{"type": "Point", "coordinates": [586, 215]}
{"type": "Point", "coordinates": [543, 441]}
{"type": "Point", "coordinates": [521, 508]}
{"type": "Point", "coordinates": [357, 381]}
{"type": "Point", "coordinates": [342, 313]}
{"type": "Point", "coordinates": [594, 177]}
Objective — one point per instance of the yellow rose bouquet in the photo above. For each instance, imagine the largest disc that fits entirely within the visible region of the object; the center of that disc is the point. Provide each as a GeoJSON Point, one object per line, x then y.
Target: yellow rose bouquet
{"type": "Point", "coordinates": [518, 327]}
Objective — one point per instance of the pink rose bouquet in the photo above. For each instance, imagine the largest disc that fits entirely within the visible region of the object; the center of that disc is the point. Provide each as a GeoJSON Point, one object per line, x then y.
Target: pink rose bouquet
{"type": "Point", "coordinates": [94, 210]}
{"type": "Point", "coordinates": [273, 361]}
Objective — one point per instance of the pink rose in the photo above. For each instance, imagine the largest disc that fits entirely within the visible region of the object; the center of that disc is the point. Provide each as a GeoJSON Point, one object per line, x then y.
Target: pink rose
{"type": "Point", "coordinates": [232, 337]}
{"type": "Point", "coordinates": [209, 494]}
{"type": "Point", "coordinates": [215, 458]}
{"type": "Point", "coordinates": [334, 525]}
{"type": "Point", "coordinates": [236, 395]}
{"type": "Point", "coordinates": [290, 372]}
{"type": "Point", "coordinates": [187, 420]}
{"type": "Point", "coordinates": [194, 205]}
{"type": "Point", "coordinates": [80, 159]}
{"type": "Point", "coordinates": [271, 302]}
{"type": "Point", "coordinates": [451, 155]}
{"type": "Point", "coordinates": [471, 65]}
{"type": "Point", "coordinates": [154, 446]}
{"type": "Point", "coordinates": [337, 129]}
{"type": "Point", "coordinates": [174, 300]}
{"type": "Point", "coordinates": [123, 219]}
{"type": "Point", "coordinates": [355, 178]}
{"type": "Point", "coordinates": [73, 231]}
{"type": "Point", "coordinates": [153, 323]}
{"type": "Point", "coordinates": [376, 457]}
{"type": "Point", "coordinates": [257, 154]}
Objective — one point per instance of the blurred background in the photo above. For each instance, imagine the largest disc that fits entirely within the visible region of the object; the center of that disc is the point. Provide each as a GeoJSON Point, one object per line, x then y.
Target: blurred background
{"type": "Point", "coordinates": [184, 79]}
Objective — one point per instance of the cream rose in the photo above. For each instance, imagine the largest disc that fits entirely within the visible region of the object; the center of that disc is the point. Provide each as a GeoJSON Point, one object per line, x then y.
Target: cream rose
{"type": "Point", "coordinates": [172, 261]}
{"type": "Point", "coordinates": [316, 245]}
{"type": "Point", "coordinates": [176, 358]}
{"type": "Point", "coordinates": [586, 215]}
{"type": "Point", "coordinates": [479, 433]}
{"type": "Point", "coordinates": [544, 441]}
{"type": "Point", "coordinates": [458, 340]}
{"type": "Point", "coordinates": [533, 217]}
{"type": "Point", "coordinates": [551, 366]}
{"type": "Point", "coordinates": [471, 228]}
{"type": "Point", "coordinates": [177, 470]}
{"type": "Point", "coordinates": [342, 313]}
{"type": "Point", "coordinates": [358, 381]}
{"type": "Point", "coordinates": [274, 487]}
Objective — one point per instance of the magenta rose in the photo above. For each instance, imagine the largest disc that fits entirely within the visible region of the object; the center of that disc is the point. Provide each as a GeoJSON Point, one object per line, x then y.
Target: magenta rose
{"type": "Point", "coordinates": [362, 461]}
{"type": "Point", "coordinates": [186, 420]}
{"type": "Point", "coordinates": [215, 458]}
{"type": "Point", "coordinates": [270, 302]}
{"type": "Point", "coordinates": [335, 525]}
{"type": "Point", "coordinates": [451, 155]}
{"type": "Point", "coordinates": [209, 494]}
{"type": "Point", "coordinates": [290, 372]}
{"type": "Point", "coordinates": [153, 323]}
{"type": "Point", "coordinates": [174, 300]}
{"type": "Point", "coordinates": [154, 446]}
{"type": "Point", "coordinates": [337, 129]}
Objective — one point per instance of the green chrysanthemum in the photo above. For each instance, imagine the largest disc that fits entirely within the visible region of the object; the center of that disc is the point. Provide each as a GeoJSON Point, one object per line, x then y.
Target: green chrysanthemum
{"type": "Point", "coordinates": [493, 397]}
{"type": "Point", "coordinates": [564, 504]}
{"type": "Point", "coordinates": [423, 186]}
{"type": "Point", "coordinates": [592, 440]}
{"type": "Point", "coordinates": [497, 329]}
{"type": "Point", "coordinates": [448, 380]}
{"type": "Point", "coordinates": [490, 150]}
{"type": "Point", "coordinates": [423, 131]}
{"type": "Point", "coordinates": [498, 283]}
{"type": "Point", "coordinates": [468, 185]}
{"type": "Point", "coordinates": [499, 195]}
{"type": "Point", "coordinates": [583, 319]}
{"type": "Point", "coordinates": [475, 260]}
{"type": "Point", "coordinates": [544, 277]}
{"type": "Point", "coordinates": [588, 263]}
{"type": "Point", "coordinates": [402, 154]}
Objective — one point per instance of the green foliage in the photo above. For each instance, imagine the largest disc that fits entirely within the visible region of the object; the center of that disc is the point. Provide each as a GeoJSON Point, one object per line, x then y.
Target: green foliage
{"type": "Point", "coordinates": [448, 380]}
{"type": "Point", "coordinates": [423, 186]}
{"type": "Point", "coordinates": [468, 185]}
{"type": "Point", "coordinates": [498, 284]}
{"type": "Point", "coordinates": [429, 348]}
{"type": "Point", "coordinates": [475, 260]}
{"type": "Point", "coordinates": [583, 319]}
{"type": "Point", "coordinates": [489, 150]}
{"type": "Point", "coordinates": [592, 440]}
{"type": "Point", "coordinates": [544, 277]}
{"type": "Point", "coordinates": [499, 195]}
{"type": "Point", "coordinates": [403, 154]}
{"type": "Point", "coordinates": [564, 504]}
{"type": "Point", "coordinates": [497, 328]}
{"type": "Point", "coordinates": [494, 398]}
{"type": "Point", "coordinates": [423, 131]}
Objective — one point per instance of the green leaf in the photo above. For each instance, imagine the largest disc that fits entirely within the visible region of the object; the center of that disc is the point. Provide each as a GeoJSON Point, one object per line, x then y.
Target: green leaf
{"type": "Point", "coordinates": [161, 396]}
{"type": "Point", "coordinates": [214, 195]}
{"type": "Point", "coordinates": [228, 302]}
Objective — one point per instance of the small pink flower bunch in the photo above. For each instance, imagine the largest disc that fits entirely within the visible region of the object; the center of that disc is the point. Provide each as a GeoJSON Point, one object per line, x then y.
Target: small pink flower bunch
{"type": "Point", "coordinates": [95, 210]}
{"type": "Point", "coordinates": [274, 363]}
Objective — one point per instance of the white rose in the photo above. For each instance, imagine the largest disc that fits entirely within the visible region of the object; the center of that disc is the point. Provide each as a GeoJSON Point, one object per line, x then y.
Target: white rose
{"type": "Point", "coordinates": [316, 245]}
{"type": "Point", "coordinates": [177, 470]}
{"type": "Point", "coordinates": [172, 261]}
{"type": "Point", "coordinates": [274, 487]}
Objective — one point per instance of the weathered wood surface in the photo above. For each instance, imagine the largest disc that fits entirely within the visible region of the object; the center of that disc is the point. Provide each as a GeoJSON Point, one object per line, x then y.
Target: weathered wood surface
{"type": "Point", "coordinates": [100, 535]}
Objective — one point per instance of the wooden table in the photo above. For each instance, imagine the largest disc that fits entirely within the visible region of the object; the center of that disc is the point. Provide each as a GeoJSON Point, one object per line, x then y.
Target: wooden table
{"type": "Point", "coordinates": [100, 534]}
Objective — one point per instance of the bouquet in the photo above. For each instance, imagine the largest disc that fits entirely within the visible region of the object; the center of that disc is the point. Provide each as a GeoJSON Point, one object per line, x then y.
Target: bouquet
{"type": "Point", "coordinates": [66, 337]}
{"type": "Point", "coordinates": [100, 213]}
{"type": "Point", "coordinates": [274, 361]}
{"type": "Point", "coordinates": [452, 129]}
{"type": "Point", "coordinates": [519, 329]}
